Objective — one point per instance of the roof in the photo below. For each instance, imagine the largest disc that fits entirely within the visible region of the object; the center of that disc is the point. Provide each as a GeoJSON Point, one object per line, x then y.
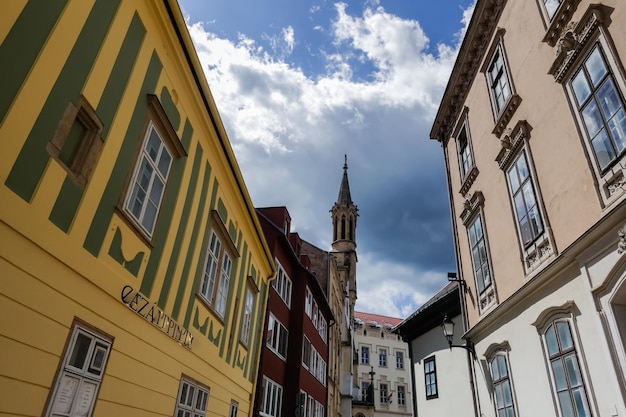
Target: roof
{"type": "Point", "coordinates": [376, 319]}
{"type": "Point", "coordinates": [344, 190]}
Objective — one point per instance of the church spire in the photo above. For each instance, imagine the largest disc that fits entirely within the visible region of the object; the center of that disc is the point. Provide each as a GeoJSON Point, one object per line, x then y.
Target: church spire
{"type": "Point", "coordinates": [344, 214]}
{"type": "Point", "coordinates": [344, 189]}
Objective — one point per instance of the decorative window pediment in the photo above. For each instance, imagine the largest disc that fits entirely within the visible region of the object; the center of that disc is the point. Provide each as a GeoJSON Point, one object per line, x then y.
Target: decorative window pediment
{"type": "Point", "coordinates": [471, 206]}
{"type": "Point", "coordinates": [511, 141]}
{"type": "Point", "coordinates": [558, 20]}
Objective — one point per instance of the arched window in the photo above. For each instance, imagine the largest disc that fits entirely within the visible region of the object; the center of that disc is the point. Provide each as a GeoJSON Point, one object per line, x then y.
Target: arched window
{"type": "Point", "coordinates": [343, 227]}
{"type": "Point", "coordinates": [335, 229]}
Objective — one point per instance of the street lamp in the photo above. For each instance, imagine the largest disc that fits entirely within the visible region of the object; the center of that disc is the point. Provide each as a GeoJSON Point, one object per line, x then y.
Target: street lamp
{"type": "Point", "coordinates": [448, 331]}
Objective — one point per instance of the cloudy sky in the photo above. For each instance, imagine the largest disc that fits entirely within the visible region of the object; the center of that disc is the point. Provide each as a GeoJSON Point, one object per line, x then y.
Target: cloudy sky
{"type": "Point", "coordinates": [301, 83]}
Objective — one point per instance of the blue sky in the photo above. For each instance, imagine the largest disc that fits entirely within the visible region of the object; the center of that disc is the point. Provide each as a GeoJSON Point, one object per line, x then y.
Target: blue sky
{"type": "Point", "coordinates": [298, 84]}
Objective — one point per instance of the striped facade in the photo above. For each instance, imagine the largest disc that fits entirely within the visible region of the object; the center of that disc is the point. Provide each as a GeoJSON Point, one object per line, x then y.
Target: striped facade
{"type": "Point", "coordinates": [71, 250]}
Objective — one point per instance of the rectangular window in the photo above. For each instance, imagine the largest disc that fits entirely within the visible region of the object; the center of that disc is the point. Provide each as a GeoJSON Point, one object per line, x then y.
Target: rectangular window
{"type": "Point", "coordinates": [272, 400]}
{"type": "Point", "coordinates": [498, 80]}
{"type": "Point", "coordinates": [566, 373]}
{"type": "Point", "coordinates": [306, 352]}
{"type": "Point", "coordinates": [364, 388]}
{"type": "Point", "coordinates": [315, 314]}
{"type": "Point", "coordinates": [319, 409]}
{"type": "Point", "coordinates": [502, 386]}
{"type": "Point", "coordinates": [401, 395]}
{"type": "Point", "coordinates": [551, 7]}
{"type": "Point", "coordinates": [529, 223]}
{"type": "Point", "coordinates": [365, 354]}
{"type": "Point", "coordinates": [308, 303]}
{"type": "Point", "coordinates": [465, 155]}
{"type": "Point", "coordinates": [383, 390]}
{"type": "Point", "coordinates": [430, 378]}
{"type": "Point", "coordinates": [322, 327]}
{"type": "Point", "coordinates": [192, 399]}
{"type": "Point", "coordinates": [382, 357]}
{"type": "Point", "coordinates": [246, 320]}
{"type": "Point", "coordinates": [301, 404]}
{"type": "Point", "coordinates": [601, 108]}
{"type": "Point", "coordinates": [149, 179]}
{"type": "Point", "coordinates": [311, 407]}
{"type": "Point", "coordinates": [76, 388]}
{"type": "Point", "coordinates": [282, 284]}
{"type": "Point", "coordinates": [399, 359]}
{"type": "Point", "coordinates": [277, 337]}
{"type": "Point", "coordinates": [234, 407]}
{"type": "Point", "coordinates": [216, 276]}
{"type": "Point", "coordinates": [480, 259]}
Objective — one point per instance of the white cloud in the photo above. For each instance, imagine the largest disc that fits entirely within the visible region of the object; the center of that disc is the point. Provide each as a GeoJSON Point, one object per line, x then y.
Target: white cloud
{"type": "Point", "coordinates": [290, 132]}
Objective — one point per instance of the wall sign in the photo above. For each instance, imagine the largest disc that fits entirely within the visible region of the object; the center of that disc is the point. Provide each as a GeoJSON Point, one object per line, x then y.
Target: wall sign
{"type": "Point", "coordinates": [153, 314]}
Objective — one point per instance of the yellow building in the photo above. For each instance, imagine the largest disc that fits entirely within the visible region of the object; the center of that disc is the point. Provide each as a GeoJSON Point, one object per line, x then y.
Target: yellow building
{"type": "Point", "coordinates": [133, 270]}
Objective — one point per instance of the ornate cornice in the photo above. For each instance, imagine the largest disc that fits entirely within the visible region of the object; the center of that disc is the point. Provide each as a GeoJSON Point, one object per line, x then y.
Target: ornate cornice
{"type": "Point", "coordinates": [506, 114]}
{"type": "Point", "coordinates": [511, 141]}
{"type": "Point", "coordinates": [573, 39]}
{"type": "Point", "coordinates": [469, 180]}
{"type": "Point", "coordinates": [481, 28]}
{"type": "Point", "coordinates": [471, 205]}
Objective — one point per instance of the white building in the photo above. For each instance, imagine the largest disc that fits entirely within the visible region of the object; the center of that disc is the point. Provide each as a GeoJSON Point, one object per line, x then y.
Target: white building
{"type": "Point", "coordinates": [381, 359]}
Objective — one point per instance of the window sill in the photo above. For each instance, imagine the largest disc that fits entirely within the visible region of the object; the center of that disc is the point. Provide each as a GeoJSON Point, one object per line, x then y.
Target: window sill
{"type": "Point", "coordinates": [506, 114]}
{"type": "Point", "coordinates": [487, 300]}
{"type": "Point", "coordinates": [559, 21]}
{"type": "Point", "coordinates": [538, 253]}
{"type": "Point", "coordinates": [209, 307]}
{"type": "Point", "coordinates": [132, 224]}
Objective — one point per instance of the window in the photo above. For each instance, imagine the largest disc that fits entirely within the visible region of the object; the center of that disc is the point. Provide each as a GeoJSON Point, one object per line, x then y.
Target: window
{"type": "Point", "coordinates": [322, 327]}
{"type": "Point", "coordinates": [79, 378]}
{"type": "Point", "coordinates": [430, 378]}
{"type": "Point", "coordinates": [76, 143]}
{"type": "Point", "coordinates": [277, 337]}
{"type": "Point", "coordinates": [311, 407]}
{"type": "Point", "coordinates": [382, 357]}
{"type": "Point", "coordinates": [601, 107]}
{"type": "Point", "coordinates": [566, 373]}
{"type": "Point", "coordinates": [480, 259]}
{"type": "Point", "coordinates": [234, 407]}
{"type": "Point", "coordinates": [364, 388]}
{"type": "Point", "coordinates": [315, 314]}
{"type": "Point", "coordinates": [282, 284]}
{"type": "Point", "coordinates": [192, 399]}
{"type": "Point", "coordinates": [466, 161]}
{"type": "Point", "coordinates": [308, 303]}
{"type": "Point", "coordinates": [384, 393]}
{"type": "Point", "coordinates": [319, 409]}
{"type": "Point", "coordinates": [527, 214]}
{"type": "Point", "coordinates": [401, 390]}
{"type": "Point", "coordinates": [498, 80]}
{"type": "Point", "coordinates": [272, 400]}
{"type": "Point", "coordinates": [400, 360]}
{"type": "Point", "coordinates": [365, 354]}
{"type": "Point", "coordinates": [502, 386]}
{"type": "Point", "coordinates": [551, 7]}
{"type": "Point", "coordinates": [246, 321]}
{"type": "Point", "coordinates": [306, 352]}
{"type": "Point", "coordinates": [301, 404]}
{"type": "Point", "coordinates": [216, 279]}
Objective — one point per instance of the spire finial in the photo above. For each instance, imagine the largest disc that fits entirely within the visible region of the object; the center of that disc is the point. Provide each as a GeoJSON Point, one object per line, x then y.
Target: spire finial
{"type": "Point", "coordinates": [345, 162]}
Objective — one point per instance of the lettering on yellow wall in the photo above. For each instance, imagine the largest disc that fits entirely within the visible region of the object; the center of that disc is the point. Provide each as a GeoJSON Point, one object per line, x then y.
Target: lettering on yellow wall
{"type": "Point", "coordinates": [153, 314]}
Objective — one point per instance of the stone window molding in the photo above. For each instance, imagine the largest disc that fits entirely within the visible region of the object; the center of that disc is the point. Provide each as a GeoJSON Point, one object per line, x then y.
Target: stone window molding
{"type": "Point", "coordinates": [471, 205]}
{"type": "Point", "coordinates": [559, 21]}
{"type": "Point", "coordinates": [574, 38]}
{"type": "Point", "coordinates": [511, 142]}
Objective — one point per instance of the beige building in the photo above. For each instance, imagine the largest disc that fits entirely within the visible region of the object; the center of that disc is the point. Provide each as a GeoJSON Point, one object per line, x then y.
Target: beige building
{"type": "Point", "coordinates": [383, 362]}
{"type": "Point", "coordinates": [533, 128]}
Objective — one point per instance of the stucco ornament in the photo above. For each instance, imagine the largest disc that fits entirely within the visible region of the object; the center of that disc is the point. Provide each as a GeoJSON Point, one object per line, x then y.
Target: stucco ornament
{"type": "Point", "coordinates": [621, 244]}
{"type": "Point", "coordinates": [568, 40]}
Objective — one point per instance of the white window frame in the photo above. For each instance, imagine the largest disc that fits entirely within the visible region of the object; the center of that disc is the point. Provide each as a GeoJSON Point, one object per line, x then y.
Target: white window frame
{"type": "Point", "coordinates": [306, 352]}
{"type": "Point", "coordinates": [246, 319]}
{"type": "Point", "coordinates": [401, 390]}
{"type": "Point", "coordinates": [502, 384]}
{"type": "Point", "coordinates": [383, 392]}
{"type": "Point", "coordinates": [382, 357]}
{"type": "Point", "coordinates": [192, 399]}
{"type": "Point", "coordinates": [282, 284]}
{"type": "Point", "coordinates": [136, 205]}
{"type": "Point", "coordinates": [78, 381]}
{"type": "Point", "coordinates": [322, 327]}
{"type": "Point", "coordinates": [399, 359]}
{"type": "Point", "coordinates": [308, 303]}
{"type": "Point", "coordinates": [365, 355]}
{"type": "Point", "coordinates": [234, 408]}
{"type": "Point", "coordinates": [485, 290]}
{"type": "Point", "coordinates": [364, 387]}
{"type": "Point", "coordinates": [272, 399]}
{"type": "Point", "coordinates": [277, 337]}
{"type": "Point", "coordinates": [214, 285]}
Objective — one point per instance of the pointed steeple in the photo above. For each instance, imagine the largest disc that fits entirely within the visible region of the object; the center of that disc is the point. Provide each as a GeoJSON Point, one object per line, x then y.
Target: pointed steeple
{"type": "Point", "coordinates": [344, 214]}
{"type": "Point", "coordinates": [344, 190]}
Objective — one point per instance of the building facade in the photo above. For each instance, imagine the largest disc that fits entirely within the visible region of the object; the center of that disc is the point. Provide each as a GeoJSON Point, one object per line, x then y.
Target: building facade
{"type": "Point", "coordinates": [128, 241]}
{"type": "Point", "coordinates": [382, 370]}
{"type": "Point", "coordinates": [294, 362]}
{"type": "Point", "coordinates": [533, 128]}
{"type": "Point", "coordinates": [440, 374]}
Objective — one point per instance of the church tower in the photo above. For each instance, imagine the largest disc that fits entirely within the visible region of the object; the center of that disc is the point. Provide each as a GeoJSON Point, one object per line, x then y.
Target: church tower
{"type": "Point", "coordinates": [342, 297]}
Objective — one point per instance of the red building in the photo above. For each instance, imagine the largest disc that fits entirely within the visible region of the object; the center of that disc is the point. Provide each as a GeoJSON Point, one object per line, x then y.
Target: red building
{"type": "Point", "coordinates": [293, 371]}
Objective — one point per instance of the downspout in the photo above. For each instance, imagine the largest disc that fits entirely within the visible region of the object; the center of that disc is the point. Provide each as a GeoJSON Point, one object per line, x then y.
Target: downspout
{"type": "Point", "coordinates": [414, 395]}
{"type": "Point", "coordinates": [455, 235]}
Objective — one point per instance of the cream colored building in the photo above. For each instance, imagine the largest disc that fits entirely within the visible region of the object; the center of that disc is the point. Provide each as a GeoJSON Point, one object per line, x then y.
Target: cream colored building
{"type": "Point", "coordinates": [533, 128]}
{"type": "Point", "coordinates": [383, 361]}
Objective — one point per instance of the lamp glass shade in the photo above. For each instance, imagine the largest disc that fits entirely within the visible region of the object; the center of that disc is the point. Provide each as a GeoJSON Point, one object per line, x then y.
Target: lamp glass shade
{"type": "Point", "coordinates": [448, 328]}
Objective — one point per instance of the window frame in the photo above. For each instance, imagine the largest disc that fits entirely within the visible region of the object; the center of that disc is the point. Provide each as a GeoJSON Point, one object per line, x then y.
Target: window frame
{"type": "Point", "coordinates": [271, 398]}
{"type": "Point", "coordinates": [493, 84]}
{"type": "Point", "coordinates": [484, 291]}
{"type": "Point", "coordinates": [401, 391]}
{"type": "Point", "coordinates": [234, 408]}
{"type": "Point", "coordinates": [499, 381]}
{"type": "Point", "coordinates": [247, 312]}
{"type": "Point", "coordinates": [430, 384]}
{"type": "Point", "coordinates": [399, 359]}
{"type": "Point", "coordinates": [383, 392]}
{"type": "Point", "coordinates": [382, 357]}
{"type": "Point", "coordinates": [189, 409]}
{"type": "Point", "coordinates": [467, 171]}
{"type": "Point", "coordinates": [88, 374]}
{"type": "Point", "coordinates": [365, 354]}
{"type": "Point", "coordinates": [282, 284]}
{"type": "Point", "coordinates": [214, 282]}
{"type": "Point", "coordinates": [275, 341]}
